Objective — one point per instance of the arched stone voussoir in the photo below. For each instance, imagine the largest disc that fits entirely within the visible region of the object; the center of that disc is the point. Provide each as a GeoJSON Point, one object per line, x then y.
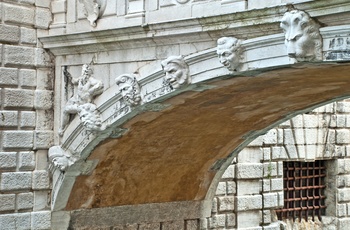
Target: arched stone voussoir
{"type": "Point", "coordinates": [175, 154]}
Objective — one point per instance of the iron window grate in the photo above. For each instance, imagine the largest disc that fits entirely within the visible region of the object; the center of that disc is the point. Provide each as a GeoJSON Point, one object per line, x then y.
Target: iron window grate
{"type": "Point", "coordinates": [304, 186]}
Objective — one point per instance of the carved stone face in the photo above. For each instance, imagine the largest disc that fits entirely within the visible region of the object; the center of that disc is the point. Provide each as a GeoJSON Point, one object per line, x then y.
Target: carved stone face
{"type": "Point", "coordinates": [129, 89]}
{"type": "Point", "coordinates": [302, 37]}
{"type": "Point", "coordinates": [58, 158]}
{"type": "Point", "coordinates": [60, 162]}
{"type": "Point", "coordinates": [229, 52]}
{"type": "Point", "coordinates": [176, 72]}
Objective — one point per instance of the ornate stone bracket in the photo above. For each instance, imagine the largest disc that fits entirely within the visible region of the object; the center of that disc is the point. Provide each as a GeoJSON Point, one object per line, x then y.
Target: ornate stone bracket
{"type": "Point", "coordinates": [93, 10]}
{"type": "Point", "coordinates": [229, 50]}
{"type": "Point", "coordinates": [177, 73]}
{"type": "Point", "coordinates": [60, 159]}
{"type": "Point", "coordinates": [302, 36]}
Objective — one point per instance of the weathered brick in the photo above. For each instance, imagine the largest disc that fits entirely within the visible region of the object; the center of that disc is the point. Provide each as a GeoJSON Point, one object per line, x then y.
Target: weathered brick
{"type": "Point", "coordinates": [26, 161]}
{"type": "Point", "coordinates": [9, 34]}
{"type": "Point", "coordinates": [25, 200]}
{"type": "Point", "coordinates": [19, 98]}
{"type": "Point", "coordinates": [43, 3]}
{"type": "Point", "coordinates": [42, 18]}
{"type": "Point", "coordinates": [18, 14]}
{"type": "Point", "coordinates": [43, 139]}
{"type": "Point", "coordinates": [344, 195]}
{"type": "Point", "coordinates": [27, 77]}
{"type": "Point", "coordinates": [7, 202]}
{"type": "Point", "coordinates": [42, 58]}
{"type": "Point", "coordinates": [245, 203]}
{"type": "Point", "coordinates": [16, 181]}
{"type": "Point", "coordinates": [8, 76]}
{"type": "Point", "coordinates": [248, 171]}
{"type": "Point", "coordinates": [18, 139]}
{"type": "Point", "coordinates": [231, 187]}
{"type": "Point", "coordinates": [19, 55]}
{"type": "Point", "coordinates": [8, 221]}
{"type": "Point", "coordinates": [41, 220]}
{"type": "Point", "coordinates": [229, 172]}
{"type": "Point", "coordinates": [28, 36]}
{"type": "Point", "coordinates": [43, 99]}
{"type": "Point", "coordinates": [192, 224]}
{"type": "Point", "coordinates": [270, 137]}
{"type": "Point", "coordinates": [59, 6]}
{"type": "Point", "coordinates": [8, 118]}
{"type": "Point", "coordinates": [217, 221]}
{"type": "Point", "coordinates": [226, 203]}
{"type": "Point", "coordinates": [342, 136]}
{"type": "Point", "coordinates": [23, 221]}
{"type": "Point", "coordinates": [221, 189]}
{"type": "Point", "coordinates": [231, 219]}
{"type": "Point", "coordinates": [27, 119]}
{"type": "Point", "coordinates": [173, 225]}
{"type": "Point", "coordinates": [41, 179]}
{"type": "Point", "coordinates": [270, 200]}
{"type": "Point", "coordinates": [8, 160]}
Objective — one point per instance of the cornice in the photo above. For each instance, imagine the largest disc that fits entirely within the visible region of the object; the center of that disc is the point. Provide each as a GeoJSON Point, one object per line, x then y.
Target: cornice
{"type": "Point", "coordinates": [244, 25]}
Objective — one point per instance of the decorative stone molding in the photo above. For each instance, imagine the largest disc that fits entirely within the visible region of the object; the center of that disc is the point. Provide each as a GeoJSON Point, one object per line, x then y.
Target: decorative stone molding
{"type": "Point", "coordinates": [339, 49]}
{"type": "Point", "coordinates": [176, 72]}
{"type": "Point", "coordinates": [87, 88]}
{"type": "Point", "coordinates": [93, 10]}
{"type": "Point", "coordinates": [59, 159]}
{"type": "Point", "coordinates": [302, 36]}
{"type": "Point", "coordinates": [229, 50]}
{"type": "Point", "coordinates": [130, 89]}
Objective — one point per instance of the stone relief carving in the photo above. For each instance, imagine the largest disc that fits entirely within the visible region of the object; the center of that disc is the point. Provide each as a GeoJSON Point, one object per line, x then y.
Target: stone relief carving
{"type": "Point", "coordinates": [130, 89]}
{"type": "Point", "coordinates": [60, 159]}
{"type": "Point", "coordinates": [87, 88]}
{"type": "Point", "coordinates": [93, 9]}
{"type": "Point", "coordinates": [302, 36]}
{"type": "Point", "coordinates": [176, 71]}
{"type": "Point", "coordinates": [339, 49]}
{"type": "Point", "coordinates": [229, 50]}
{"type": "Point", "coordinates": [90, 117]}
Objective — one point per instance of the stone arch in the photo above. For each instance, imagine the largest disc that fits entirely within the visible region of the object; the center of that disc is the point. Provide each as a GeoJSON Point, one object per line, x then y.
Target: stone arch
{"type": "Point", "coordinates": [255, 176]}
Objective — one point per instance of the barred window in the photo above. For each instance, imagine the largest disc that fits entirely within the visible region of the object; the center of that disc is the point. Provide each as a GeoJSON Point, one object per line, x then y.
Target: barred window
{"type": "Point", "coordinates": [304, 190]}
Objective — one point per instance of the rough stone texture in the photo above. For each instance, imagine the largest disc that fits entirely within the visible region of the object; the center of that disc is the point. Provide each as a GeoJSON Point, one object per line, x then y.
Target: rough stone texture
{"type": "Point", "coordinates": [8, 160]}
{"type": "Point", "coordinates": [7, 202]}
{"type": "Point", "coordinates": [19, 98]}
{"type": "Point", "coordinates": [18, 139]}
{"type": "Point", "coordinates": [41, 220]}
{"type": "Point", "coordinates": [26, 161]}
{"type": "Point", "coordinates": [25, 201]}
{"type": "Point", "coordinates": [15, 181]}
{"type": "Point", "coordinates": [41, 179]}
{"type": "Point", "coordinates": [8, 76]}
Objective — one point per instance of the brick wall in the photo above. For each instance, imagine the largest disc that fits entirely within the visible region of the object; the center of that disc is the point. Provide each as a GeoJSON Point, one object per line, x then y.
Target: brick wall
{"type": "Point", "coordinates": [252, 186]}
{"type": "Point", "coordinates": [26, 115]}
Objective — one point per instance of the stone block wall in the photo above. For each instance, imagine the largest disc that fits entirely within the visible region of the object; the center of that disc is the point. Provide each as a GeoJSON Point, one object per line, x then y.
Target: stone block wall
{"type": "Point", "coordinates": [252, 186]}
{"type": "Point", "coordinates": [26, 116]}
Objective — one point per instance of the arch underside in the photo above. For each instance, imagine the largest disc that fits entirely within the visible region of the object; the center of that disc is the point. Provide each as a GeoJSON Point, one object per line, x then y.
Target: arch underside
{"type": "Point", "coordinates": [174, 154]}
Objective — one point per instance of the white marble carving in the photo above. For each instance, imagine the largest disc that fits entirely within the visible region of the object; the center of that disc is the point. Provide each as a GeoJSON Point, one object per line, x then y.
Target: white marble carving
{"type": "Point", "coordinates": [90, 117]}
{"type": "Point", "coordinates": [93, 9]}
{"type": "Point", "coordinates": [87, 88]}
{"type": "Point", "coordinates": [176, 71]}
{"type": "Point", "coordinates": [302, 36]}
{"type": "Point", "coordinates": [339, 49]}
{"type": "Point", "coordinates": [129, 88]}
{"type": "Point", "coordinates": [229, 50]}
{"type": "Point", "coordinates": [59, 159]}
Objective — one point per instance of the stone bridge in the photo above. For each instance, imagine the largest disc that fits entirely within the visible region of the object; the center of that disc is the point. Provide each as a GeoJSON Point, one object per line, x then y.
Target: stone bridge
{"type": "Point", "coordinates": [170, 92]}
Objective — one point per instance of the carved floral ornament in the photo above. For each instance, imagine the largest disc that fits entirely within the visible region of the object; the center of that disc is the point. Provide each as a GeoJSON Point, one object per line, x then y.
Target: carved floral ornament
{"type": "Point", "coordinates": [302, 36]}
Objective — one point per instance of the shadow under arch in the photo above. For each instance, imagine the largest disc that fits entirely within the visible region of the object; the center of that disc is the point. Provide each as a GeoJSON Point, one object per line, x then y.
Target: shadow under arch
{"type": "Point", "coordinates": [178, 153]}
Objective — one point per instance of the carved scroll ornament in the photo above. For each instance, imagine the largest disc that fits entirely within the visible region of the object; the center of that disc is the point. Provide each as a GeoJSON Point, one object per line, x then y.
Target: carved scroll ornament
{"type": "Point", "coordinates": [302, 36]}
{"type": "Point", "coordinates": [229, 50]}
{"type": "Point", "coordinates": [176, 71]}
{"type": "Point", "coordinates": [130, 89]}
